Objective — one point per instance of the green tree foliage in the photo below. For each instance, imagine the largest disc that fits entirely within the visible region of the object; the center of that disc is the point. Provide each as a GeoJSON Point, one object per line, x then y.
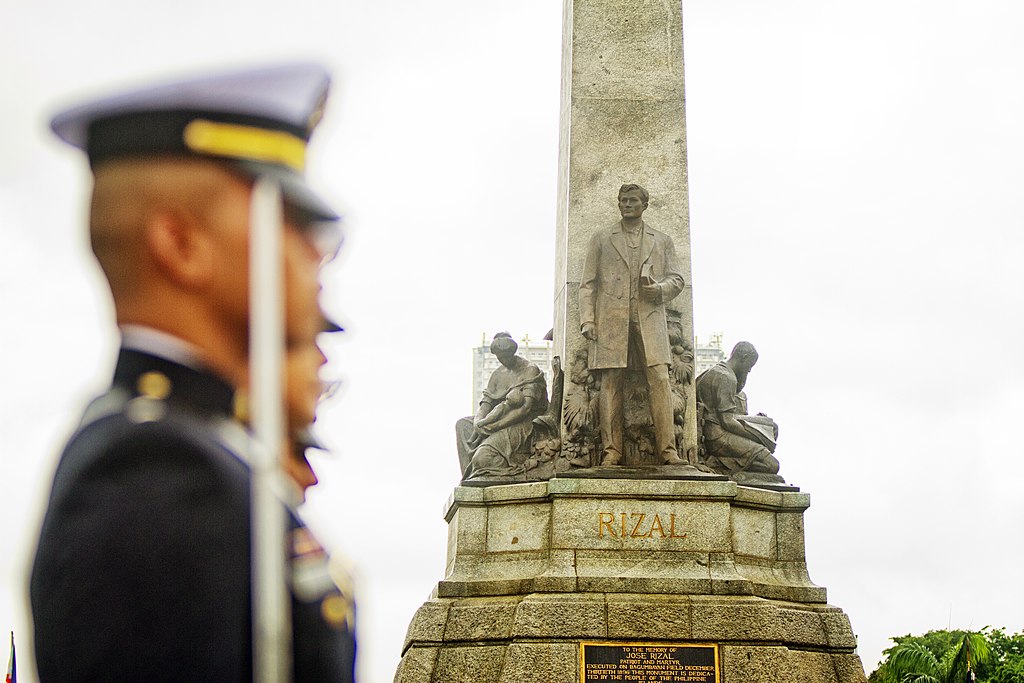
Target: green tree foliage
{"type": "Point", "coordinates": [1007, 655]}
{"type": "Point", "coordinates": [942, 656]}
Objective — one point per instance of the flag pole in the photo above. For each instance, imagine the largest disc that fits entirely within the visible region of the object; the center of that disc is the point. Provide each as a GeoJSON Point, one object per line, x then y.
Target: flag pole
{"type": "Point", "coordinates": [12, 664]}
{"type": "Point", "coordinates": [270, 598]}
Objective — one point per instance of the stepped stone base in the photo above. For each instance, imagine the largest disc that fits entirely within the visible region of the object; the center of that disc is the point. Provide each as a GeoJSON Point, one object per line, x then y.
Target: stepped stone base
{"type": "Point", "coordinates": [536, 569]}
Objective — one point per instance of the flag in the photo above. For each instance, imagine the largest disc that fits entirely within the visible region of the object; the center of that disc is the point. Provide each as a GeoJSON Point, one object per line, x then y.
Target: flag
{"type": "Point", "coordinates": [12, 665]}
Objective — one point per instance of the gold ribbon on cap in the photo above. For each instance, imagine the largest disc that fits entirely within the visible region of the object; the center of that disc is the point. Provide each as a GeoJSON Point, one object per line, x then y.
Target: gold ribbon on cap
{"type": "Point", "coordinates": [246, 142]}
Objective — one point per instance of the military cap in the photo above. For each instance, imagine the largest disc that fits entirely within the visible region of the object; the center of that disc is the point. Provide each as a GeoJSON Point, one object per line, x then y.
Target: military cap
{"type": "Point", "coordinates": [258, 121]}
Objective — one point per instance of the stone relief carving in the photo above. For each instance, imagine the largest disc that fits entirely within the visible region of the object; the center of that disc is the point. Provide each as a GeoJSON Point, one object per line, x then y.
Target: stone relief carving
{"type": "Point", "coordinates": [582, 439]}
{"type": "Point", "coordinates": [733, 443]}
{"type": "Point", "coordinates": [545, 461]}
{"type": "Point", "coordinates": [681, 376]}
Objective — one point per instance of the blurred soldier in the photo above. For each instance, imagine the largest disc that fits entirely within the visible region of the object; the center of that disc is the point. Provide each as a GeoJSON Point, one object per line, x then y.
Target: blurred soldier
{"type": "Point", "coordinates": [142, 572]}
{"type": "Point", "coordinates": [296, 463]}
{"type": "Point", "coordinates": [303, 391]}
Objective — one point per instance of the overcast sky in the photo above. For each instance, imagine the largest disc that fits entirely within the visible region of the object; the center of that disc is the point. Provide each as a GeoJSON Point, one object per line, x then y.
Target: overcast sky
{"type": "Point", "coordinates": [856, 212]}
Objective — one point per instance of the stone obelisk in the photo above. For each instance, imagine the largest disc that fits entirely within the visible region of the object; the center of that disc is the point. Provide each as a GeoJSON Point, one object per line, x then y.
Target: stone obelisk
{"type": "Point", "coordinates": [622, 121]}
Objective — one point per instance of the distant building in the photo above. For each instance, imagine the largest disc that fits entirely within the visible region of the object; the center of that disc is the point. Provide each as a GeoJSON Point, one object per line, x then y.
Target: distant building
{"type": "Point", "coordinates": [484, 363]}
{"type": "Point", "coordinates": [709, 354]}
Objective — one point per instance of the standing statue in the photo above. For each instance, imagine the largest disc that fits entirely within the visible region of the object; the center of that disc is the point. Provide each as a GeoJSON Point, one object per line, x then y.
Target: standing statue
{"type": "Point", "coordinates": [516, 394]}
{"type": "Point", "coordinates": [630, 274]}
{"type": "Point", "coordinates": [736, 444]}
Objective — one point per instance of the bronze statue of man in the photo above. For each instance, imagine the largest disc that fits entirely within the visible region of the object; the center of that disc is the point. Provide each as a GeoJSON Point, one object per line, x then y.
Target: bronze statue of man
{"type": "Point", "coordinates": [735, 442]}
{"type": "Point", "coordinates": [631, 272]}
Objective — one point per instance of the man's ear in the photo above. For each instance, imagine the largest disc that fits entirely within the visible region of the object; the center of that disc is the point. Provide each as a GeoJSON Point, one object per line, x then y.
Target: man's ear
{"type": "Point", "coordinates": [180, 247]}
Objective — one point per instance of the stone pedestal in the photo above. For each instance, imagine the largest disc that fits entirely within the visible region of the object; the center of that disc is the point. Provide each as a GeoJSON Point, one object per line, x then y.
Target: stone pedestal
{"type": "Point", "coordinates": [536, 569]}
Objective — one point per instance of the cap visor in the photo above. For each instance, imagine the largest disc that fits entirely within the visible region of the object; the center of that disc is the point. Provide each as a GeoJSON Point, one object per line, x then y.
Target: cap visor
{"type": "Point", "coordinates": [306, 439]}
{"type": "Point", "coordinates": [296, 191]}
{"type": "Point", "coordinates": [331, 326]}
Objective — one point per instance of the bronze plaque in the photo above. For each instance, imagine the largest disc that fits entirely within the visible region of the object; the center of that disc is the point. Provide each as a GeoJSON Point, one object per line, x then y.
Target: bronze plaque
{"type": "Point", "coordinates": [649, 662]}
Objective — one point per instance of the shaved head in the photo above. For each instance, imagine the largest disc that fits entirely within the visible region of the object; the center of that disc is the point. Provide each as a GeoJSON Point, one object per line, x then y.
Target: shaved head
{"type": "Point", "coordinates": [129, 194]}
{"type": "Point", "coordinates": [172, 237]}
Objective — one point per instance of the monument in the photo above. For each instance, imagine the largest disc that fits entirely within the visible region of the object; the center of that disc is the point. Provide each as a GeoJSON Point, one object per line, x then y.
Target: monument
{"type": "Point", "coordinates": [634, 525]}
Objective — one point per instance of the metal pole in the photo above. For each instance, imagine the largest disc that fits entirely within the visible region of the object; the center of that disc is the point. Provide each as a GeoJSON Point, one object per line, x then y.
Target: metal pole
{"type": "Point", "coordinates": [271, 605]}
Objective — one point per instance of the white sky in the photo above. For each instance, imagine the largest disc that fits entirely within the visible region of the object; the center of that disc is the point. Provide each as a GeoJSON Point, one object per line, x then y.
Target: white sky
{"type": "Point", "coordinates": [856, 212]}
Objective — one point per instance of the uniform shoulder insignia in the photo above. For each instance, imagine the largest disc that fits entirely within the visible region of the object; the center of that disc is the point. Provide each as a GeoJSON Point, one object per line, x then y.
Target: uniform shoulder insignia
{"type": "Point", "coordinates": [153, 387]}
{"type": "Point", "coordinates": [316, 578]}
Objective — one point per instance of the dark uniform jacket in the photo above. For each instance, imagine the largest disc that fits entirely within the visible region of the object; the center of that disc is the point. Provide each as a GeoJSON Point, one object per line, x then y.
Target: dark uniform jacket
{"type": "Point", "coordinates": [142, 572]}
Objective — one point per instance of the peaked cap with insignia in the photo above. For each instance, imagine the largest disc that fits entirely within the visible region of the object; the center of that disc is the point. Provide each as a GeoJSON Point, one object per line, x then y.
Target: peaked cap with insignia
{"type": "Point", "coordinates": [258, 121]}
